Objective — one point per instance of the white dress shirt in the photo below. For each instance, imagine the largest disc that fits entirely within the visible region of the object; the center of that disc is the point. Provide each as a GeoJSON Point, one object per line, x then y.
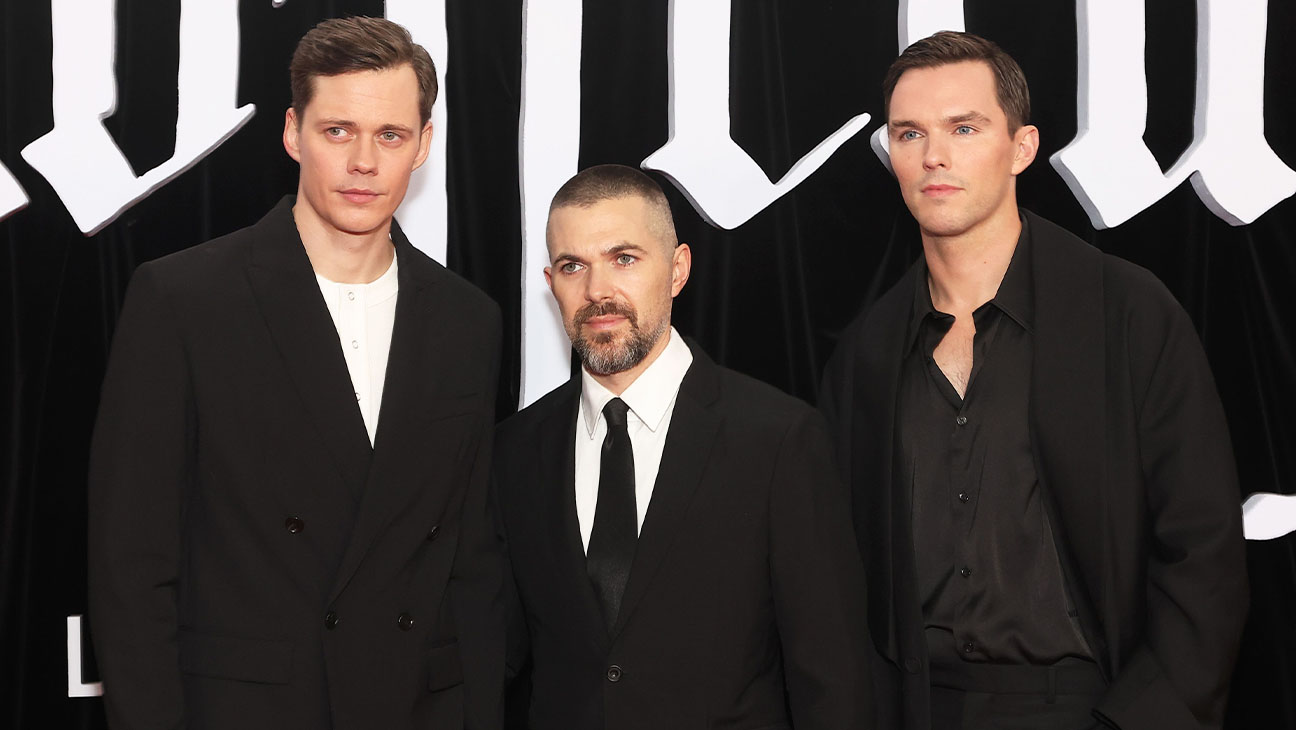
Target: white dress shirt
{"type": "Point", "coordinates": [651, 398]}
{"type": "Point", "coordinates": [364, 315]}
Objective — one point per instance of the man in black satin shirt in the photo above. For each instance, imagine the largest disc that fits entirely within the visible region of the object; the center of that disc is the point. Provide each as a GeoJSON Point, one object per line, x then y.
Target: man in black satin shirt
{"type": "Point", "coordinates": [1043, 486]}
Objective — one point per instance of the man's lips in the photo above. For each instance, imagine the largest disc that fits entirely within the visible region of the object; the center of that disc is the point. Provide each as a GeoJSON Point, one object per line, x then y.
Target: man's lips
{"type": "Point", "coordinates": [604, 321]}
{"type": "Point", "coordinates": [359, 195]}
{"type": "Point", "coordinates": [940, 190]}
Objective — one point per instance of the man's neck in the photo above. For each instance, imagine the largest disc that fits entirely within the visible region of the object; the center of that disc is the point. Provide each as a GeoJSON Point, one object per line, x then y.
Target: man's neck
{"type": "Point", "coordinates": [616, 383]}
{"type": "Point", "coordinates": [345, 258]}
{"type": "Point", "coordinates": [964, 271]}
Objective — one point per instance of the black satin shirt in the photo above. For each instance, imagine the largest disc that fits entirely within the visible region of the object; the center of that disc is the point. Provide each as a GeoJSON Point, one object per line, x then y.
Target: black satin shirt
{"type": "Point", "coordinates": [989, 579]}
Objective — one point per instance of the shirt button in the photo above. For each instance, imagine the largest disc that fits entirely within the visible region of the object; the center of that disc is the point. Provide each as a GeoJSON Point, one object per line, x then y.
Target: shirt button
{"type": "Point", "coordinates": [614, 673]}
{"type": "Point", "coordinates": [961, 420]}
{"type": "Point", "coordinates": [330, 620]}
{"type": "Point", "coordinates": [432, 534]}
{"type": "Point", "coordinates": [355, 345]}
{"type": "Point", "coordinates": [405, 622]}
{"type": "Point", "coordinates": [351, 296]}
{"type": "Point", "coordinates": [966, 572]}
{"type": "Point", "coordinates": [357, 396]}
{"type": "Point", "coordinates": [969, 647]}
{"type": "Point", "coordinates": [963, 497]}
{"type": "Point", "coordinates": [294, 525]}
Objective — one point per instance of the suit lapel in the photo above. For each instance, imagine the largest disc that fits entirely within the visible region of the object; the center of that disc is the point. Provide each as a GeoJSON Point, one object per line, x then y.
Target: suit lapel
{"type": "Point", "coordinates": [289, 298]}
{"type": "Point", "coordinates": [880, 501]}
{"type": "Point", "coordinates": [1068, 390]}
{"type": "Point", "coordinates": [556, 456]}
{"type": "Point", "coordinates": [693, 429]}
{"type": "Point", "coordinates": [422, 352]}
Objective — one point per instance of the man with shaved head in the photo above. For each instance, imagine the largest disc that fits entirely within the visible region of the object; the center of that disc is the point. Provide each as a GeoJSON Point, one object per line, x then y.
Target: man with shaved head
{"type": "Point", "coordinates": [681, 550]}
{"type": "Point", "coordinates": [1041, 474]}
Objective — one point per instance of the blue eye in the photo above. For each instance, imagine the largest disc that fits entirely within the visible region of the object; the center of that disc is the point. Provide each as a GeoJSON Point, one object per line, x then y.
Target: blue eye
{"type": "Point", "coordinates": [964, 129]}
{"type": "Point", "coordinates": [908, 135]}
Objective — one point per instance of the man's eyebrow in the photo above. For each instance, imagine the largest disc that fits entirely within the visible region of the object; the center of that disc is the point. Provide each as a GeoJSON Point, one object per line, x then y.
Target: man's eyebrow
{"type": "Point", "coordinates": [336, 122]}
{"type": "Point", "coordinates": [564, 256]}
{"type": "Point", "coordinates": [396, 128]}
{"type": "Point", "coordinates": [896, 124]}
{"type": "Point", "coordinates": [967, 117]}
{"type": "Point", "coordinates": [622, 247]}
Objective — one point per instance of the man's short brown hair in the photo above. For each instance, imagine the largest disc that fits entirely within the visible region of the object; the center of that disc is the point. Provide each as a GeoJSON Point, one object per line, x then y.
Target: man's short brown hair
{"type": "Point", "coordinates": [613, 182]}
{"type": "Point", "coordinates": [948, 47]}
{"type": "Point", "coordinates": [343, 45]}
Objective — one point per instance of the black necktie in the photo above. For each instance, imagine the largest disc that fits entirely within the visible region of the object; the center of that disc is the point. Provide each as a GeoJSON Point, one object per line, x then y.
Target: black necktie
{"type": "Point", "coordinates": [612, 539]}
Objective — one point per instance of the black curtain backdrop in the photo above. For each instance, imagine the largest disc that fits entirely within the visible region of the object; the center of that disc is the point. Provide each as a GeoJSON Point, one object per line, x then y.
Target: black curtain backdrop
{"type": "Point", "coordinates": [768, 298]}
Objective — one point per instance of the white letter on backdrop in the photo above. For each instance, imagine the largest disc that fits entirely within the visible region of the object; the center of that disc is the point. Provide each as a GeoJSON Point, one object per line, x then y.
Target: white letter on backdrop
{"type": "Point", "coordinates": [1233, 169]}
{"type": "Point", "coordinates": [79, 158]}
{"type": "Point", "coordinates": [423, 214]}
{"type": "Point", "coordinates": [915, 20]}
{"type": "Point", "coordinates": [12, 197]}
{"type": "Point", "coordinates": [722, 181]}
{"type": "Point", "coordinates": [76, 687]}
{"type": "Point", "coordinates": [549, 151]}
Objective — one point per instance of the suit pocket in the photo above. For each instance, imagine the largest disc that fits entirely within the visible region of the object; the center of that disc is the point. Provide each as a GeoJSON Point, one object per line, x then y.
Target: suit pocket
{"type": "Point", "coordinates": [445, 670]}
{"type": "Point", "coordinates": [246, 660]}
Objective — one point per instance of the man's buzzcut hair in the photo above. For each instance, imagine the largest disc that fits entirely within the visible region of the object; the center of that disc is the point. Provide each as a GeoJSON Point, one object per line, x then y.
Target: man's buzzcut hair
{"type": "Point", "coordinates": [946, 47]}
{"type": "Point", "coordinates": [612, 182]}
{"type": "Point", "coordinates": [345, 45]}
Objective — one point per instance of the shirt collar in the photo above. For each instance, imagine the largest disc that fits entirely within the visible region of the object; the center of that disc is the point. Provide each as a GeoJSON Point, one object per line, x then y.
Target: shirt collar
{"type": "Point", "coordinates": [649, 396]}
{"type": "Point", "coordinates": [378, 290]}
{"type": "Point", "coordinates": [1015, 296]}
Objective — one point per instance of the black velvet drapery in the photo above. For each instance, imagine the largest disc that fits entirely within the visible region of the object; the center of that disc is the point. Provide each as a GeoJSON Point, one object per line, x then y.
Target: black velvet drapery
{"type": "Point", "coordinates": [767, 298]}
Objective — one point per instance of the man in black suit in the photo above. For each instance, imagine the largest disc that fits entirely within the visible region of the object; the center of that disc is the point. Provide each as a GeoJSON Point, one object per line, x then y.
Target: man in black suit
{"type": "Point", "coordinates": [1041, 473]}
{"type": "Point", "coordinates": [681, 549]}
{"type": "Point", "coordinates": [289, 524]}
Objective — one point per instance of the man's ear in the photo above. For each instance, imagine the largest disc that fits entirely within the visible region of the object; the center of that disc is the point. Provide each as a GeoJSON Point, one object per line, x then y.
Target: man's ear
{"type": "Point", "coordinates": [292, 135]}
{"type": "Point", "coordinates": [425, 145]}
{"type": "Point", "coordinates": [681, 265]}
{"type": "Point", "coordinates": [1026, 141]}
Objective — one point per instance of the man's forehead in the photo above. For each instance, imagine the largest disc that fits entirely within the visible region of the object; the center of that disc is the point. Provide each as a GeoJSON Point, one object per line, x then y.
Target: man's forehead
{"type": "Point", "coordinates": [945, 91]}
{"type": "Point", "coordinates": [385, 91]}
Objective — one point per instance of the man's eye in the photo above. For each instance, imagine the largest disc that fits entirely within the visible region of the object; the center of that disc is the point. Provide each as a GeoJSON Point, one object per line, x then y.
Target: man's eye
{"type": "Point", "coordinates": [390, 136]}
{"type": "Point", "coordinates": [570, 267]}
{"type": "Point", "coordinates": [908, 135]}
{"type": "Point", "coordinates": [335, 131]}
{"type": "Point", "coordinates": [625, 259]}
{"type": "Point", "coordinates": [963, 129]}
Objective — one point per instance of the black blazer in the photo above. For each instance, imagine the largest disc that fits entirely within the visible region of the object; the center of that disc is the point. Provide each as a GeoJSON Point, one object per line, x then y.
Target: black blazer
{"type": "Point", "coordinates": [1137, 473]}
{"type": "Point", "coordinates": [253, 562]}
{"type": "Point", "coordinates": [744, 605]}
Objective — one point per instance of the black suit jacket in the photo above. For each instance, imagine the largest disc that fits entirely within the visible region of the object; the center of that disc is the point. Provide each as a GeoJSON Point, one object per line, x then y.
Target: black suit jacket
{"type": "Point", "coordinates": [743, 608]}
{"type": "Point", "coordinates": [253, 562]}
{"type": "Point", "coordinates": [1134, 461]}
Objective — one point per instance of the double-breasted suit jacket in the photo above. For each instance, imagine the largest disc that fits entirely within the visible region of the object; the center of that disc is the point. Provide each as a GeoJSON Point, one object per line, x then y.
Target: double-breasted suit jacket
{"type": "Point", "coordinates": [744, 603]}
{"type": "Point", "coordinates": [1135, 467]}
{"type": "Point", "coordinates": [254, 563]}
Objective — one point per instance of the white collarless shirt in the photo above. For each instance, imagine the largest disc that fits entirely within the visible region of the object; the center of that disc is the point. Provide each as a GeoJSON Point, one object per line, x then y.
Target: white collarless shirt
{"type": "Point", "coordinates": [364, 315]}
{"type": "Point", "coordinates": [651, 398]}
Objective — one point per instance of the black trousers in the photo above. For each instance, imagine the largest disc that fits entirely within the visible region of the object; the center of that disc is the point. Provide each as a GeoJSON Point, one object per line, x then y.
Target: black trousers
{"type": "Point", "coordinates": [968, 696]}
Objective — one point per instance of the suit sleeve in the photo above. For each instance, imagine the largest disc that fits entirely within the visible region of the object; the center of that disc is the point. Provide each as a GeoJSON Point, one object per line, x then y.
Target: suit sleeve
{"type": "Point", "coordinates": [1196, 575]}
{"type": "Point", "coordinates": [476, 587]}
{"type": "Point", "coordinates": [140, 464]}
{"type": "Point", "coordinates": [818, 585]}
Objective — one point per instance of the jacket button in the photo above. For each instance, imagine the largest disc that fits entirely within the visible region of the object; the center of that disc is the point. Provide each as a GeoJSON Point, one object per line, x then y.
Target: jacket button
{"type": "Point", "coordinates": [969, 647]}
{"type": "Point", "coordinates": [294, 525]}
{"type": "Point", "coordinates": [964, 497]}
{"type": "Point", "coordinates": [614, 673]}
{"type": "Point", "coordinates": [966, 572]}
{"type": "Point", "coordinates": [405, 622]}
{"type": "Point", "coordinates": [912, 665]}
{"type": "Point", "coordinates": [432, 534]}
{"type": "Point", "coordinates": [330, 620]}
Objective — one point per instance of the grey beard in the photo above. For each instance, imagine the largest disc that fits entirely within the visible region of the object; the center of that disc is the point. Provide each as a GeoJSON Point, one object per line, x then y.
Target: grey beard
{"type": "Point", "coordinates": [601, 361]}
